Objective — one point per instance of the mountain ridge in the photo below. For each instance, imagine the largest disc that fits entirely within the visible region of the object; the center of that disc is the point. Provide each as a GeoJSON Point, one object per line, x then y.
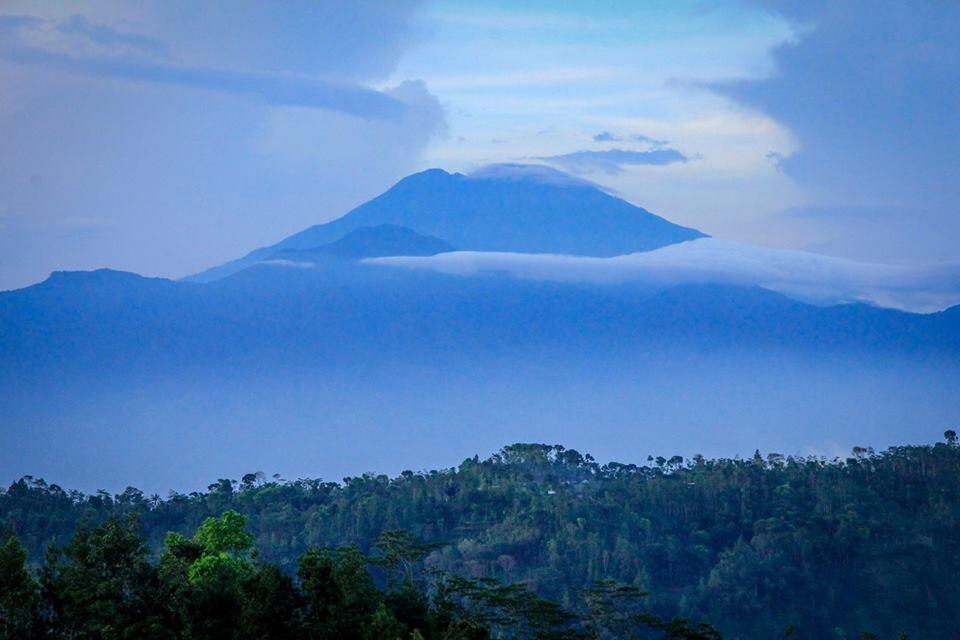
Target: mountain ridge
{"type": "Point", "coordinates": [357, 309]}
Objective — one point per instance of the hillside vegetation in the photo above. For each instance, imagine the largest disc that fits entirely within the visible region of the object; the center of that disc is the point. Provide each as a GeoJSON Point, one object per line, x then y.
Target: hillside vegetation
{"type": "Point", "coordinates": [829, 548]}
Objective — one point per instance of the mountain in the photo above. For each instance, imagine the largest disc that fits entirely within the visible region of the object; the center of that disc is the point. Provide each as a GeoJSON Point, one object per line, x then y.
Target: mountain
{"type": "Point", "coordinates": [370, 242]}
{"type": "Point", "coordinates": [357, 310]}
{"type": "Point", "coordinates": [107, 376]}
{"type": "Point", "coordinates": [518, 210]}
{"type": "Point", "coordinates": [335, 370]}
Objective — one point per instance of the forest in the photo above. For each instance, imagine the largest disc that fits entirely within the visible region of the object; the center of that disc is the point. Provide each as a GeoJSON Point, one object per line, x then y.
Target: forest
{"type": "Point", "coordinates": [102, 585]}
{"type": "Point", "coordinates": [536, 541]}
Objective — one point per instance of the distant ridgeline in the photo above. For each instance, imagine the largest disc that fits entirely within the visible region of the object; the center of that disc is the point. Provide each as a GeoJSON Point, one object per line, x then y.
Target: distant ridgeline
{"type": "Point", "coordinates": [825, 548]}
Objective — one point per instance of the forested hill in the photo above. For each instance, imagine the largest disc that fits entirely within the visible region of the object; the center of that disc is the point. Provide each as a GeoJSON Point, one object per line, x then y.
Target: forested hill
{"type": "Point", "coordinates": [833, 547]}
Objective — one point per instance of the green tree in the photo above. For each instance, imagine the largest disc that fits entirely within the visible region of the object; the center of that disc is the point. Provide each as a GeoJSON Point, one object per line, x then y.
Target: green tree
{"type": "Point", "coordinates": [206, 576]}
{"type": "Point", "coordinates": [19, 597]}
{"type": "Point", "coordinates": [270, 606]}
{"type": "Point", "coordinates": [340, 596]}
{"type": "Point", "coordinates": [101, 586]}
{"type": "Point", "coordinates": [615, 611]}
{"type": "Point", "coordinates": [510, 609]}
{"type": "Point", "coordinates": [400, 553]}
{"type": "Point", "coordinates": [225, 546]}
{"type": "Point", "coordinates": [382, 625]}
{"type": "Point", "coordinates": [466, 629]}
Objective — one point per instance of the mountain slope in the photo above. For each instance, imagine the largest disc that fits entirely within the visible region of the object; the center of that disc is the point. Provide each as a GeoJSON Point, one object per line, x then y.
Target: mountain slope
{"type": "Point", "coordinates": [495, 212]}
{"type": "Point", "coordinates": [371, 242]}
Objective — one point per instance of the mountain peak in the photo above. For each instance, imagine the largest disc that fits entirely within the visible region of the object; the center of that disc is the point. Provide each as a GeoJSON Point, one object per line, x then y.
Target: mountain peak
{"type": "Point", "coordinates": [433, 173]}
{"type": "Point", "coordinates": [93, 280]}
{"type": "Point", "coordinates": [507, 207]}
{"type": "Point", "coordinates": [94, 276]}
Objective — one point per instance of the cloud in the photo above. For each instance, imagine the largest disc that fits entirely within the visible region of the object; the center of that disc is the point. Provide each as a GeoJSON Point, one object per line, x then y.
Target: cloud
{"type": "Point", "coordinates": [12, 22]}
{"type": "Point", "coordinates": [777, 159]}
{"type": "Point", "coordinates": [806, 276]}
{"type": "Point", "coordinates": [870, 91]}
{"type": "Point", "coordinates": [195, 132]}
{"type": "Point", "coordinates": [532, 173]}
{"type": "Point", "coordinates": [356, 41]}
{"type": "Point", "coordinates": [270, 88]}
{"type": "Point", "coordinates": [293, 264]}
{"type": "Point", "coordinates": [612, 160]}
{"type": "Point", "coordinates": [105, 35]}
{"type": "Point", "coordinates": [606, 136]}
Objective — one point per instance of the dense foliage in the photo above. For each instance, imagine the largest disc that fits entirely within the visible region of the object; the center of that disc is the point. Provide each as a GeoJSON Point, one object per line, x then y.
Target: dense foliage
{"type": "Point", "coordinates": [102, 586]}
{"type": "Point", "coordinates": [829, 549]}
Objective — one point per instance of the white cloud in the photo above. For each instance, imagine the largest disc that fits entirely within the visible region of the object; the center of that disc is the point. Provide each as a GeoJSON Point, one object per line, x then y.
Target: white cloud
{"type": "Point", "coordinates": [806, 276]}
{"type": "Point", "coordinates": [289, 263]}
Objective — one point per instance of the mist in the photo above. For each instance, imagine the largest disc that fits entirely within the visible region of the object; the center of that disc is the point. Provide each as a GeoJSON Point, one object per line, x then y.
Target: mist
{"type": "Point", "coordinates": [388, 417]}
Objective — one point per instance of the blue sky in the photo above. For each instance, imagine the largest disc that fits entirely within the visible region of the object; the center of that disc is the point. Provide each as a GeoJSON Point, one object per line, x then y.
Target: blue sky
{"type": "Point", "coordinates": [167, 136]}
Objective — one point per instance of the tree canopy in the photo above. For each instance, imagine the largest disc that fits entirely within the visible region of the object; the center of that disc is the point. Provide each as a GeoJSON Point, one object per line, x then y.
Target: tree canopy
{"type": "Point", "coordinates": [831, 548]}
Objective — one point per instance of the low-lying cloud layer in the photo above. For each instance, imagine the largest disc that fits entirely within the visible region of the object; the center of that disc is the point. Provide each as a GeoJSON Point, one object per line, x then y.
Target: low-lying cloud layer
{"type": "Point", "coordinates": [805, 276]}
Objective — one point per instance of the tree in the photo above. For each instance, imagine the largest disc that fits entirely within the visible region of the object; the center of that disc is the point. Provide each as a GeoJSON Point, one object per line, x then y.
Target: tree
{"type": "Point", "coordinates": [950, 436]}
{"type": "Point", "coordinates": [226, 534]}
{"type": "Point", "coordinates": [270, 606]}
{"type": "Point", "coordinates": [206, 576]}
{"type": "Point", "coordinates": [383, 626]}
{"type": "Point", "coordinates": [466, 629]}
{"type": "Point", "coordinates": [400, 551]}
{"type": "Point", "coordinates": [615, 612]}
{"type": "Point", "coordinates": [681, 629]}
{"type": "Point", "coordinates": [510, 608]}
{"type": "Point", "coordinates": [102, 586]}
{"type": "Point", "coordinates": [19, 597]}
{"type": "Point", "coordinates": [224, 542]}
{"type": "Point", "coordinates": [339, 593]}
